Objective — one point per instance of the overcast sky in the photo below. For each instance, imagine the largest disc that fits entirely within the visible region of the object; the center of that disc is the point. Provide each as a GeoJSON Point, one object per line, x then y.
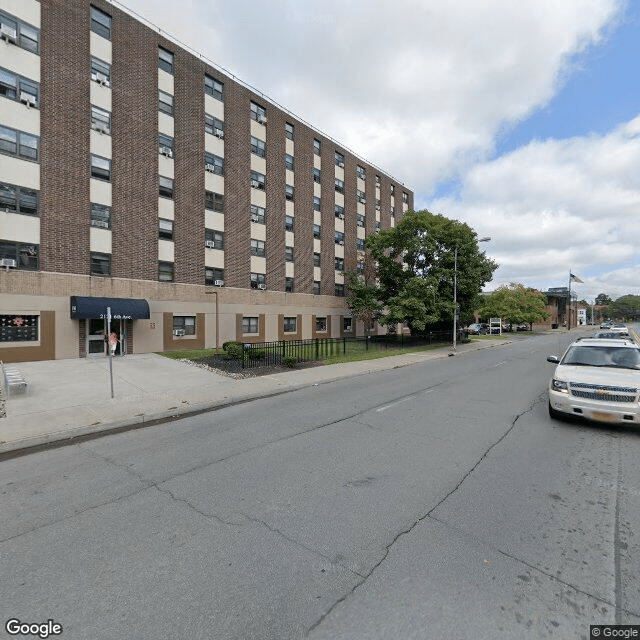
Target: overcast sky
{"type": "Point", "coordinates": [519, 118]}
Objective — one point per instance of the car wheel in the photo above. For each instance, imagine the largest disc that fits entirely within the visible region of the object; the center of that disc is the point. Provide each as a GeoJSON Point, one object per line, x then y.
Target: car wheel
{"type": "Point", "coordinates": [554, 413]}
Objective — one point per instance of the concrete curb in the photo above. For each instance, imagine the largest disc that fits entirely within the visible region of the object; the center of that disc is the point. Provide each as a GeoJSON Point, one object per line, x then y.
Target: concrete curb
{"type": "Point", "coordinates": [63, 437]}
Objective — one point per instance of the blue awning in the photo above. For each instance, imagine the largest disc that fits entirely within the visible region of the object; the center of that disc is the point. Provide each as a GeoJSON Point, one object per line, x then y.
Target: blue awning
{"type": "Point", "coordinates": [121, 308]}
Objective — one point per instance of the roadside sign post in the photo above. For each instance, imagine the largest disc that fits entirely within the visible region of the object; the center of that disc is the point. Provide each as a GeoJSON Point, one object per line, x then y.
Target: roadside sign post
{"type": "Point", "coordinates": [109, 347]}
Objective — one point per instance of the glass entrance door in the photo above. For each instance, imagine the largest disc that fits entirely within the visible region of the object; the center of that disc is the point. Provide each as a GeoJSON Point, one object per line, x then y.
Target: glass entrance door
{"type": "Point", "coordinates": [96, 343]}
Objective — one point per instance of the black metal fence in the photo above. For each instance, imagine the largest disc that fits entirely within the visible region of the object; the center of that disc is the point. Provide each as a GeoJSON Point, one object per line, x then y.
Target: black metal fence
{"type": "Point", "coordinates": [288, 352]}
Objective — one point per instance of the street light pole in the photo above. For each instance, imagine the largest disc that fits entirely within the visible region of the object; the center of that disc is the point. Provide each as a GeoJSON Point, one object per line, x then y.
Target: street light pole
{"type": "Point", "coordinates": [455, 292]}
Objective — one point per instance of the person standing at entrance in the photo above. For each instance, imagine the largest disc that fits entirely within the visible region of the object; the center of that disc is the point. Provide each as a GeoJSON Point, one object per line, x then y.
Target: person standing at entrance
{"type": "Point", "coordinates": [113, 342]}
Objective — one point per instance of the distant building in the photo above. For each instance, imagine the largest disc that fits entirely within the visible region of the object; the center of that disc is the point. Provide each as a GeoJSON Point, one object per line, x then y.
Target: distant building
{"type": "Point", "coordinates": [133, 170]}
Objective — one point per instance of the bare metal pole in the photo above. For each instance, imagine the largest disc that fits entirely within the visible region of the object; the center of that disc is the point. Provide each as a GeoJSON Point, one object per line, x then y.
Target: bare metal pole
{"type": "Point", "coordinates": [109, 347]}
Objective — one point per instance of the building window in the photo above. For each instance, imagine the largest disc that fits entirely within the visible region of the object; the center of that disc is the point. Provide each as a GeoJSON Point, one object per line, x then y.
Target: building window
{"type": "Point", "coordinates": [288, 192]}
{"type": "Point", "coordinates": [165, 229]}
{"type": "Point", "coordinates": [165, 145]}
{"type": "Point", "coordinates": [339, 237]}
{"type": "Point", "coordinates": [100, 216]}
{"type": "Point", "coordinates": [166, 187]}
{"type": "Point", "coordinates": [316, 146]}
{"type": "Point", "coordinates": [100, 72]}
{"type": "Point", "coordinates": [19, 328]}
{"type": "Point", "coordinates": [214, 239]}
{"type": "Point", "coordinates": [100, 264]}
{"type": "Point", "coordinates": [257, 180]}
{"type": "Point", "coordinates": [339, 264]}
{"type": "Point", "coordinates": [19, 144]}
{"type": "Point", "coordinates": [24, 255]}
{"type": "Point", "coordinates": [165, 60]}
{"type": "Point", "coordinates": [360, 267]}
{"type": "Point", "coordinates": [165, 102]}
{"type": "Point", "coordinates": [213, 201]}
{"type": "Point", "coordinates": [288, 223]}
{"type": "Point", "coordinates": [360, 196]}
{"type": "Point", "coordinates": [257, 248]}
{"type": "Point", "coordinates": [288, 285]}
{"type": "Point", "coordinates": [20, 33]}
{"type": "Point", "coordinates": [15, 87]}
{"type": "Point", "coordinates": [100, 23]}
{"type": "Point", "coordinates": [258, 113]}
{"type": "Point", "coordinates": [288, 162]}
{"type": "Point", "coordinates": [316, 175]}
{"type": "Point", "coordinates": [100, 168]}
{"type": "Point", "coordinates": [405, 197]}
{"type": "Point", "coordinates": [213, 87]}
{"type": "Point", "coordinates": [346, 325]}
{"type": "Point", "coordinates": [249, 325]}
{"type": "Point", "coordinates": [165, 271]}
{"type": "Point", "coordinates": [378, 181]}
{"type": "Point", "coordinates": [258, 147]}
{"type": "Point", "coordinates": [393, 189]}
{"type": "Point", "coordinates": [258, 281]}
{"type": "Point", "coordinates": [316, 287]}
{"type": "Point", "coordinates": [362, 174]}
{"type": "Point", "coordinates": [321, 324]}
{"type": "Point", "coordinates": [339, 159]}
{"type": "Point", "coordinates": [360, 244]}
{"type": "Point", "coordinates": [18, 199]}
{"type": "Point", "coordinates": [100, 119]}
{"type": "Point", "coordinates": [316, 259]}
{"type": "Point", "coordinates": [184, 325]}
{"type": "Point", "coordinates": [288, 130]}
{"type": "Point", "coordinates": [316, 203]}
{"type": "Point", "coordinates": [316, 231]}
{"type": "Point", "coordinates": [339, 185]}
{"type": "Point", "coordinates": [360, 219]}
{"type": "Point", "coordinates": [258, 214]}
{"type": "Point", "coordinates": [214, 126]}
{"type": "Point", "coordinates": [339, 290]}
{"type": "Point", "coordinates": [288, 254]}
{"type": "Point", "coordinates": [290, 325]}
{"type": "Point", "coordinates": [213, 163]}
{"type": "Point", "coordinates": [339, 211]}
{"type": "Point", "coordinates": [213, 277]}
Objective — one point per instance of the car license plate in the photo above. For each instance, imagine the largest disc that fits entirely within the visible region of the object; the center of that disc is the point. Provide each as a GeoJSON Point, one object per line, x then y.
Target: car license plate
{"type": "Point", "coordinates": [603, 416]}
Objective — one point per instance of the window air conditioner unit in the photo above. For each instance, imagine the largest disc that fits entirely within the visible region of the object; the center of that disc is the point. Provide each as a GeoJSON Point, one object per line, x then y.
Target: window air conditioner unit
{"type": "Point", "coordinates": [341, 165]}
{"type": "Point", "coordinates": [218, 283]}
{"type": "Point", "coordinates": [362, 200]}
{"type": "Point", "coordinates": [255, 218]}
{"type": "Point", "coordinates": [219, 133]}
{"type": "Point", "coordinates": [262, 286]}
{"type": "Point", "coordinates": [101, 224]}
{"type": "Point", "coordinates": [166, 151]}
{"type": "Point", "coordinates": [178, 332]}
{"type": "Point", "coordinates": [8, 263]}
{"type": "Point", "coordinates": [100, 126]}
{"type": "Point", "coordinates": [100, 78]}
{"type": "Point", "coordinates": [210, 167]}
{"type": "Point", "coordinates": [210, 244]}
{"type": "Point", "coordinates": [8, 33]}
{"type": "Point", "coordinates": [341, 243]}
{"type": "Point", "coordinates": [341, 216]}
{"type": "Point", "coordinates": [255, 184]}
{"type": "Point", "coordinates": [377, 207]}
{"type": "Point", "coordinates": [262, 119]}
{"type": "Point", "coordinates": [28, 99]}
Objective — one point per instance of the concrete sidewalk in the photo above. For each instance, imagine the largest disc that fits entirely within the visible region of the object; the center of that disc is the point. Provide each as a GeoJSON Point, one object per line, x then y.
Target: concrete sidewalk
{"type": "Point", "coordinates": [71, 398]}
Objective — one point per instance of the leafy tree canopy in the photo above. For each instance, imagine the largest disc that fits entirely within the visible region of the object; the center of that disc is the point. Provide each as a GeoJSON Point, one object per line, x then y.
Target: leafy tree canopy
{"type": "Point", "coordinates": [603, 298]}
{"type": "Point", "coordinates": [415, 269]}
{"type": "Point", "coordinates": [515, 303]}
{"type": "Point", "coordinates": [625, 307]}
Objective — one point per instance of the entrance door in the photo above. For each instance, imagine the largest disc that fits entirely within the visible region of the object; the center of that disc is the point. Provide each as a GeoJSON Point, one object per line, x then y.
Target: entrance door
{"type": "Point", "coordinates": [96, 344]}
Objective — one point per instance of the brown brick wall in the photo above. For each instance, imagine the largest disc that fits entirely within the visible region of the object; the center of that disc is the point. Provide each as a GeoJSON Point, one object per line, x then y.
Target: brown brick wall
{"type": "Point", "coordinates": [303, 256]}
{"type": "Point", "coordinates": [64, 141]}
{"type": "Point", "coordinates": [275, 183]}
{"type": "Point", "coordinates": [237, 205]}
{"type": "Point", "coordinates": [134, 81]}
{"type": "Point", "coordinates": [327, 228]}
{"type": "Point", "coordinates": [189, 168]}
{"type": "Point", "coordinates": [350, 210]}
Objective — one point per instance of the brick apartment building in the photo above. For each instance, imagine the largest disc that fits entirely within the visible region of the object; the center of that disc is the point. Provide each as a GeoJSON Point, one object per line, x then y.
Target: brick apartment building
{"type": "Point", "coordinates": [135, 174]}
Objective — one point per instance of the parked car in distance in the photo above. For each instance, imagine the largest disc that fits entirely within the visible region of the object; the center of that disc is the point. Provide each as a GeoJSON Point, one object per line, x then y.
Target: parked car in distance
{"type": "Point", "coordinates": [620, 329]}
{"type": "Point", "coordinates": [607, 335]}
{"type": "Point", "coordinates": [597, 379]}
{"type": "Point", "coordinates": [477, 329]}
{"type": "Point", "coordinates": [523, 326]}
{"type": "Point", "coordinates": [605, 325]}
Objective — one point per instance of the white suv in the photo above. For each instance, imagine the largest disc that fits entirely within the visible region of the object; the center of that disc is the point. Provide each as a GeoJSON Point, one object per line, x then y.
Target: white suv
{"type": "Point", "coordinates": [598, 379]}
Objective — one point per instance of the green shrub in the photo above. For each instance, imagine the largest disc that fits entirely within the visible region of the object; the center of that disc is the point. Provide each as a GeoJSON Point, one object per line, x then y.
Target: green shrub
{"type": "Point", "coordinates": [290, 361]}
{"type": "Point", "coordinates": [258, 353]}
{"type": "Point", "coordinates": [227, 343]}
{"type": "Point", "coordinates": [234, 350]}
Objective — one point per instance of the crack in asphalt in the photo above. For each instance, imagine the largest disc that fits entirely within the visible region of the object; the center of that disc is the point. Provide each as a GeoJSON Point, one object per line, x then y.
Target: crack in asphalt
{"type": "Point", "coordinates": [410, 528]}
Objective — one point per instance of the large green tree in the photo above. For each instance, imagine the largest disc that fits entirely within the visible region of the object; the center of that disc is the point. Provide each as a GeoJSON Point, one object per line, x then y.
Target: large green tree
{"type": "Point", "coordinates": [515, 304]}
{"type": "Point", "coordinates": [415, 269]}
{"type": "Point", "coordinates": [625, 308]}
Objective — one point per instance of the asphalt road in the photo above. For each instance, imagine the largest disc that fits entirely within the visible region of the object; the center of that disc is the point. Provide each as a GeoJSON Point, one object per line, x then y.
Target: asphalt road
{"type": "Point", "coordinates": [430, 501]}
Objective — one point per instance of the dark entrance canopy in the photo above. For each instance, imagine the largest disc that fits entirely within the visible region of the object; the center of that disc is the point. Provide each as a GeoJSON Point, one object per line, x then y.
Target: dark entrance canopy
{"type": "Point", "coordinates": [121, 308]}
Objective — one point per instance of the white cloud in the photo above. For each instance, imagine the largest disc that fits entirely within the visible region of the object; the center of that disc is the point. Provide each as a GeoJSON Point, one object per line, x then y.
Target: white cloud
{"type": "Point", "coordinates": [557, 205]}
